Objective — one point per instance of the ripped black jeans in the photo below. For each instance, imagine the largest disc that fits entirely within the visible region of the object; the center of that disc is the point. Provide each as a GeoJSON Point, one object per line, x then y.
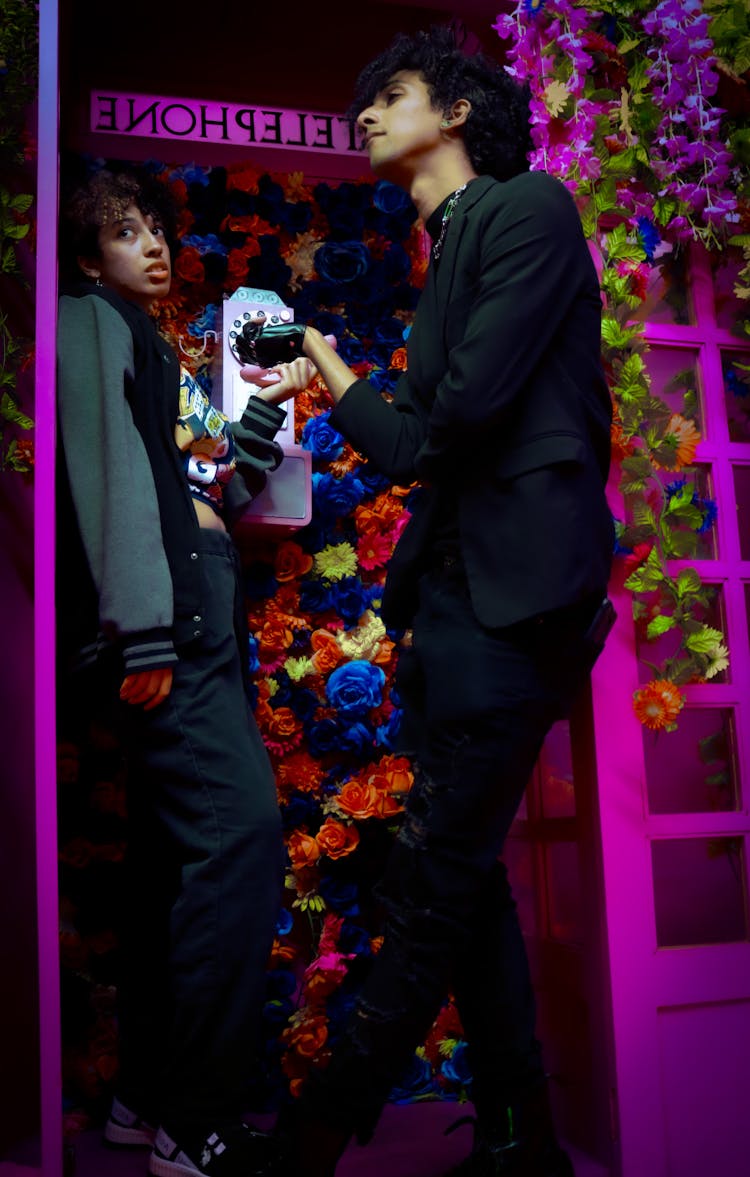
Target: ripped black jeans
{"type": "Point", "coordinates": [478, 704]}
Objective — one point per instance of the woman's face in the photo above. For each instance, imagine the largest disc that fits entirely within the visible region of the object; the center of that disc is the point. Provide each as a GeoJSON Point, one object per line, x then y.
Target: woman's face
{"type": "Point", "coordinates": [133, 258]}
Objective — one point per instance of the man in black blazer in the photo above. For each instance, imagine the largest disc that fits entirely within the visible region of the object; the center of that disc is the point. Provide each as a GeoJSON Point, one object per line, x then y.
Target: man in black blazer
{"type": "Point", "coordinates": [503, 416]}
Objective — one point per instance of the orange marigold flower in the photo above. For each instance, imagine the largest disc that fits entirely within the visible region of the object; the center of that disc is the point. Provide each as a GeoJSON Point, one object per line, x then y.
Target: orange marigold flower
{"type": "Point", "coordinates": [303, 849]}
{"type": "Point", "coordinates": [337, 840]}
{"type": "Point", "coordinates": [622, 446]}
{"type": "Point", "coordinates": [658, 704]}
{"type": "Point", "coordinates": [686, 438]}
{"type": "Point", "coordinates": [358, 800]}
{"type": "Point", "coordinates": [301, 771]}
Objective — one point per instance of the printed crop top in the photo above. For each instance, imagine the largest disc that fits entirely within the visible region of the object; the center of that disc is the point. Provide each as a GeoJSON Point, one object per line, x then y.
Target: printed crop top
{"type": "Point", "coordinates": [204, 436]}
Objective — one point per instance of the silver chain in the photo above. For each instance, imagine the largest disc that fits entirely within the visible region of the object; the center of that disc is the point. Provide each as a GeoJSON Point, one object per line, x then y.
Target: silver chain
{"type": "Point", "coordinates": [450, 208]}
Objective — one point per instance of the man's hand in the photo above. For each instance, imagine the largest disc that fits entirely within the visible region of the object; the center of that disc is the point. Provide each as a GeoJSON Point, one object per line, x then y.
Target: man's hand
{"type": "Point", "coordinates": [148, 688]}
{"type": "Point", "coordinates": [280, 383]}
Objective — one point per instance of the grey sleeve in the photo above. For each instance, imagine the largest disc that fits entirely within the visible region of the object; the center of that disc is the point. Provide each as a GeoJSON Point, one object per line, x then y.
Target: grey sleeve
{"type": "Point", "coordinates": [111, 481]}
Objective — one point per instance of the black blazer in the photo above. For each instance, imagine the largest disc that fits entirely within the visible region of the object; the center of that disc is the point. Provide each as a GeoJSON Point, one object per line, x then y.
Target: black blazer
{"type": "Point", "coordinates": [503, 408]}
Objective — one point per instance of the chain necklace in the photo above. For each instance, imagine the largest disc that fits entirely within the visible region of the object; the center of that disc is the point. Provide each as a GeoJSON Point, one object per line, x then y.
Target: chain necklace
{"type": "Point", "coordinates": [450, 208]}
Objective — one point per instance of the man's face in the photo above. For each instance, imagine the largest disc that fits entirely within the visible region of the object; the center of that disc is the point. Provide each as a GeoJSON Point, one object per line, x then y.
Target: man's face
{"type": "Point", "coordinates": [401, 128]}
{"type": "Point", "coordinates": [133, 258]}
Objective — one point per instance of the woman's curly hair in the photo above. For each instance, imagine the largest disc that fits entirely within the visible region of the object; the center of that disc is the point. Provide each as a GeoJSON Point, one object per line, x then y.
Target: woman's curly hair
{"type": "Point", "coordinates": [102, 198]}
{"type": "Point", "coordinates": [497, 133]}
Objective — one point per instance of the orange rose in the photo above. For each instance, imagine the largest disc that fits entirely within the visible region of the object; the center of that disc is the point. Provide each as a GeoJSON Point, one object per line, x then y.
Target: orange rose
{"type": "Point", "coordinates": [327, 653]}
{"type": "Point", "coordinates": [283, 723]}
{"type": "Point", "coordinates": [358, 800]}
{"type": "Point", "coordinates": [398, 359]}
{"type": "Point", "coordinates": [307, 1036]}
{"type": "Point", "coordinates": [322, 984]}
{"type": "Point", "coordinates": [291, 562]}
{"type": "Point", "coordinates": [337, 840]}
{"type": "Point", "coordinates": [303, 849]}
{"type": "Point", "coordinates": [273, 639]}
{"type": "Point", "coordinates": [188, 265]}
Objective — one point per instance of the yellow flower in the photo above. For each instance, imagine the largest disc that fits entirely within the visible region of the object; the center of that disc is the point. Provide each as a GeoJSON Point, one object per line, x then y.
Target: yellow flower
{"type": "Point", "coordinates": [364, 640]}
{"type": "Point", "coordinates": [718, 660]}
{"type": "Point", "coordinates": [336, 561]}
{"type": "Point", "coordinates": [298, 668]}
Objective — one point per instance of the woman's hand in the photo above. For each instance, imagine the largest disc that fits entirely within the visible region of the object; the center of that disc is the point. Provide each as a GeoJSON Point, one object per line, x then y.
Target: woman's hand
{"type": "Point", "coordinates": [148, 688]}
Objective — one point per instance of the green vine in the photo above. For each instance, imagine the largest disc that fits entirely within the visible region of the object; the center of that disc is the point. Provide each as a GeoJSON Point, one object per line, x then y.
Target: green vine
{"type": "Point", "coordinates": [19, 43]}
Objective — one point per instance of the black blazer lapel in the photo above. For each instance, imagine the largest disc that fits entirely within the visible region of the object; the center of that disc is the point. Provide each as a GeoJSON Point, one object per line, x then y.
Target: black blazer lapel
{"type": "Point", "coordinates": [456, 228]}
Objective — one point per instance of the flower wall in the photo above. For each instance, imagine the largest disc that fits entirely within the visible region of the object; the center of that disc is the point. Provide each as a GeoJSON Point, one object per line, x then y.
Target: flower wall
{"type": "Point", "coordinates": [624, 112]}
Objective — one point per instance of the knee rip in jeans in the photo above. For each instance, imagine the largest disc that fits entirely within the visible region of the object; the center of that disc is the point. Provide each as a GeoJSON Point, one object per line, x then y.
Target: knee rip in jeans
{"type": "Point", "coordinates": [413, 831]}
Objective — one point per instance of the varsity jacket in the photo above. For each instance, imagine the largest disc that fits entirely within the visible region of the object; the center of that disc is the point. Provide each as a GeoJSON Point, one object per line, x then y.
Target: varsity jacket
{"type": "Point", "coordinates": [128, 568]}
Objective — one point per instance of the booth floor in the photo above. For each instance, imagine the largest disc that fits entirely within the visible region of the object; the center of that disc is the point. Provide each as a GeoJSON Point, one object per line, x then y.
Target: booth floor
{"type": "Point", "coordinates": [409, 1142]}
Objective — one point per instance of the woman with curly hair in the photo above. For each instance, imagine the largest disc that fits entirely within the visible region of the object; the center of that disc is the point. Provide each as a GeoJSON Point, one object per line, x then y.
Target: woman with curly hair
{"type": "Point", "coordinates": [150, 612]}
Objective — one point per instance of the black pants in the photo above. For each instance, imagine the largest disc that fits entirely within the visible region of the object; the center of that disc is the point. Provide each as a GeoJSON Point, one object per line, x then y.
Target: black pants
{"type": "Point", "coordinates": [477, 707]}
{"type": "Point", "coordinates": [205, 872]}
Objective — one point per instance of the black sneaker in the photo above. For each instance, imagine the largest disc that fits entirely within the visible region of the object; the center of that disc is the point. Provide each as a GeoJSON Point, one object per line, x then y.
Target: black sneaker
{"type": "Point", "coordinates": [228, 1149]}
{"type": "Point", "coordinates": [125, 1128]}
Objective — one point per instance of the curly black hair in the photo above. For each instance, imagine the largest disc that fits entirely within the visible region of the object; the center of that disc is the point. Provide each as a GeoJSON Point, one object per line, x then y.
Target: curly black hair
{"type": "Point", "coordinates": [102, 198]}
{"type": "Point", "coordinates": [497, 133]}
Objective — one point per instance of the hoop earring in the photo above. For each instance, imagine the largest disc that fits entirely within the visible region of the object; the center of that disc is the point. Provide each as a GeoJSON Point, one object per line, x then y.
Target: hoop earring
{"type": "Point", "coordinates": [98, 282]}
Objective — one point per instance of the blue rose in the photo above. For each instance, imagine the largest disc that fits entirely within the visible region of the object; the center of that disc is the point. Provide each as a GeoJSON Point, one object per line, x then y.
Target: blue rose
{"type": "Point", "coordinates": [315, 596]}
{"type": "Point", "coordinates": [323, 737]}
{"type": "Point", "coordinates": [390, 332]}
{"type": "Point", "coordinates": [319, 437]}
{"type": "Point", "coordinates": [397, 263]}
{"type": "Point", "coordinates": [354, 939]}
{"type": "Point", "coordinates": [416, 1081]}
{"type": "Point", "coordinates": [351, 598]}
{"type": "Point", "coordinates": [208, 244]}
{"type": "Point", "coordinates": [389, 198]}
{"type": "Point", "coordinates": [253, 662]}
{"type": "Point", "coordinates": [356, 687]}
{"type": "Point", "coordinates": [299, 810]}
{"type": "Point", "coordinates": [333, 497]}
{"type": "Point", "coordinates": [284, 923]}
{"type": "Point", "coordinates": [342, 261]}
{"type": "Point", "coordinates": [357, 738]}
{"type": "Point", "coordinates": [351, 350]}
{"type": "Point", "coordinates": [372, 480]}
{"type": "Point", "coordinates": [342, 897]}
{"type": "Point", "coordinates": [328, 323]}
{"type": "Point", "coordinates": [384, 379]}
{"type": "Point", "coordinates": [386, 735]}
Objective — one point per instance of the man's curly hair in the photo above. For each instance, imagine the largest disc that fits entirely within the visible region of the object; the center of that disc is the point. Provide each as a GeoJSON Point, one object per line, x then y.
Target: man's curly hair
{"type": "Point", "coordinates": [101, 199]}
{"type": "Point", "coordinates": [496, 134]}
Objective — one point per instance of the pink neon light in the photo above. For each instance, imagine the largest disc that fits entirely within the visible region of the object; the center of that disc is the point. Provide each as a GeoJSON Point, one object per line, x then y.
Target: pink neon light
{"type": "Point", "coordinates": [44, 590]}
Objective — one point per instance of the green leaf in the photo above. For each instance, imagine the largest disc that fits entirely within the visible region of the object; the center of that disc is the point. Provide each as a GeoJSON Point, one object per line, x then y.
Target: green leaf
{"type": "Point", "coordinates": [11, 413]}
{"type": "Point", "coordinates": [688, 582]}
{"type": "Point", "coordinates": [704, 640]}
{"type": "Point", "coordinates": [660, 624]}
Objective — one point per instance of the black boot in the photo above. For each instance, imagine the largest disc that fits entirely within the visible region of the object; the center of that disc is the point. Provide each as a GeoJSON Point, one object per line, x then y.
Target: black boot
{"type": "Point", "coordinates": [517, 1141]}
{"type": "Point", "coordinates": [310, 1146]}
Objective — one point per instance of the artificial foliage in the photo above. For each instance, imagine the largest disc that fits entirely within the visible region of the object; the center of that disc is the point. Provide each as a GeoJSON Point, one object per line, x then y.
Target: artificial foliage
{"type": "Point", "coordinates": [18, 73]}
{"type": "Point", "coordinates": [624, 110]}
